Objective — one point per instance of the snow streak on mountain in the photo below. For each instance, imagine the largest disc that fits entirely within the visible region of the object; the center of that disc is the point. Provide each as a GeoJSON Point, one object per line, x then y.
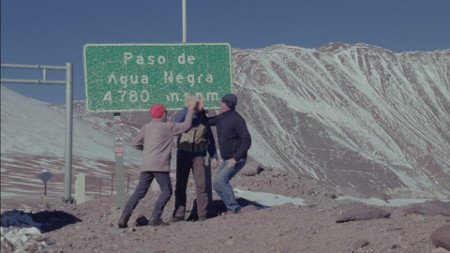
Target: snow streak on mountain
{"type": "Point", "coordinates": [32, 127]}
{"type": "Point", "coordinates": [362, 118]}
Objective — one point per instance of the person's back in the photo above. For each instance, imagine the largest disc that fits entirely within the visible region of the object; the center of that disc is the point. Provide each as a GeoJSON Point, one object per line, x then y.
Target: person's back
{"type": "Point", "coordinates": [155, 139]}
{"type": "Point", "coordinates": [158, 136]}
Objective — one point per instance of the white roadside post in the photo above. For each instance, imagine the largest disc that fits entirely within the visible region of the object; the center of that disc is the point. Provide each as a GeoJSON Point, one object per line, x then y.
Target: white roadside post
{"type": "Point", "coordinates": [80, 188]}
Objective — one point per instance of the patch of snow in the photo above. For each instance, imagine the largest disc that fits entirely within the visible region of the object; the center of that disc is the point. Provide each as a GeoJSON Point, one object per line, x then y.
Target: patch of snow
{"type": "Point", "coordinates": [390, 202]}
{"type": "Point", "coordinates": [268, 199]}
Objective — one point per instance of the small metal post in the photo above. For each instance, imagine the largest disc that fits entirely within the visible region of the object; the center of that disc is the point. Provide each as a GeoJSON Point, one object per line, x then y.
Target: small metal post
{"type": "Point", "coordinates": [45, 194]}
{"type": "Point", "coordinates": [99, 187]}
{"type": "Point", "coordinates": [112, 183]}
{"type": "Point", "coordinates": [128, 183]}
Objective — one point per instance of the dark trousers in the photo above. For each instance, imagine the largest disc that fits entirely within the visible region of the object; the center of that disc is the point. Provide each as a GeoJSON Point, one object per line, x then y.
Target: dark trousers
{"type": "Point", "coordinates": [185, 162]}
{"type": "Point", "coordinates": [146, 178]}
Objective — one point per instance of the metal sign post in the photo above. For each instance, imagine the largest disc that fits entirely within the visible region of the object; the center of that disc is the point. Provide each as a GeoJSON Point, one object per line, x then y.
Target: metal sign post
{"type": "Point", "coordinates": [69, 113]}
{"type": "Point", "coordinates": [69, 119]}
{"type": "Point", "coordinates": [118, 150]}
{"type": "Point", "coordinates": [183, 7]}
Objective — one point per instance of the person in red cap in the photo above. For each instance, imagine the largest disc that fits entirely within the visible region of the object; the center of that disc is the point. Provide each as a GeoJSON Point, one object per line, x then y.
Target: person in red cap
{"type": "Point", "coordinates": [155, 140]}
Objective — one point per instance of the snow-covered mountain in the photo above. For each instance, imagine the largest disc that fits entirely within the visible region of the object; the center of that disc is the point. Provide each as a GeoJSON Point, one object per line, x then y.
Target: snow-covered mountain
{"type": "Point", "coordinates": [33, 139]}
{"type": "Point", "coordinates": [362, 118]}
{"type": "Point", "coordinates": [32, 127]}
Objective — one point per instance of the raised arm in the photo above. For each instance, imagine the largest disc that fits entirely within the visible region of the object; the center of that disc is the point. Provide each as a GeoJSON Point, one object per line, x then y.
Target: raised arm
{"type": "Point", "coordinates": [179, 128]}
{"type": "Point", "coordinates": [179, 116]}
{"type": "Point", "coordinates": [210, 121]}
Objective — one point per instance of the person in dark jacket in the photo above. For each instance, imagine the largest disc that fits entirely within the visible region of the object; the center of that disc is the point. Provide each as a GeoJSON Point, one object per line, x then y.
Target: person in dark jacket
{"type": "Point", "coordinates": [234, 142]}
{"type": "Point", "coordinates": [192, 148]}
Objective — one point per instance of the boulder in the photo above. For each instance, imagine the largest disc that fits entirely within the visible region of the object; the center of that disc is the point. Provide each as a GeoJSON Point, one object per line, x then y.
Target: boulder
{"type": "Point", "coordinates": [251, 168]}
{"type": "Point", "coordinates": [360, 244]}
{"type": "Point", "coordinates": [359, 212]}
{"type": "Point", "coordinates": [434, 207]}
{"type": "Point", "coordinates": [440, 250]}
{"type": "Point", "coordinates": [441, 237]}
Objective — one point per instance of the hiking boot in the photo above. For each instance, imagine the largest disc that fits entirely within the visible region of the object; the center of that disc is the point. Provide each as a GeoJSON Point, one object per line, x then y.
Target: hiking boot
{"type": "Point", "coordinates": [124, 220]}
{"type": "Point", "coordinates": [177, 219]}
{"type": "Point", "coordinates": [202, 218]}
{"type": "Point", "coordinates": [158, 222]}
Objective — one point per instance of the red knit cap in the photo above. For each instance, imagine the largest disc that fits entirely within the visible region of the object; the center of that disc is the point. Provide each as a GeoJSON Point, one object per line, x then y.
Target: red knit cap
{"type": "Point", "coordinates": [157, 111]}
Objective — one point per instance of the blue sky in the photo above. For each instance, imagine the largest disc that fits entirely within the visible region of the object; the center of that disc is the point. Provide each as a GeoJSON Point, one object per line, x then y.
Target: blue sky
{"type": "Point", "coordinates": [53, 32]}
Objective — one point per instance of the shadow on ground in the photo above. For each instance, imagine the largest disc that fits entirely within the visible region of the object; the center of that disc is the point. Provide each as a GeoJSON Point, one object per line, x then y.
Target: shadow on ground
{"type": "Point", "coordinates": [217, 207]}
{"type": "Point", "coordinates": [53, 220]}
{"type": "Point", "coordinates": [45, 221]}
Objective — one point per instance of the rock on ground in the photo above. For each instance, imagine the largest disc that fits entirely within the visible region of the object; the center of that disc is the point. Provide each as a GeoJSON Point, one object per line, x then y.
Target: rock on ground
{"type": "Point", "coordinates": [441, 237]}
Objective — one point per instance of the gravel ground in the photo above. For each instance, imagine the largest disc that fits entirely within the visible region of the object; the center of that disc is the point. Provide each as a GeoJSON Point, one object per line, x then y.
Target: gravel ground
{"type": "Point", "coordinates": [285, 228]}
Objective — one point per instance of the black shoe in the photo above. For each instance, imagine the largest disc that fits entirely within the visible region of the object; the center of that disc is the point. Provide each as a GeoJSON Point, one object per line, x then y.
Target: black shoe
{"type": "Point", "coordinates": [158, 222]}
{"type": "Point", "coordinates": [177, 219]}
{"type": "Point", "coordinates": [141, 221]}
{"type": "Point", "coordinates": [202, 218]}
{"type": "Point", "coordinates": [124, 220]}
{"type": "Point", "coordinates": [192, 218]}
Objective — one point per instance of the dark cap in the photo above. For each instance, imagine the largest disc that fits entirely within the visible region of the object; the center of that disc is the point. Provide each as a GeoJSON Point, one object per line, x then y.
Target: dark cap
{"type": "Point", "coordinates": [230, 100]}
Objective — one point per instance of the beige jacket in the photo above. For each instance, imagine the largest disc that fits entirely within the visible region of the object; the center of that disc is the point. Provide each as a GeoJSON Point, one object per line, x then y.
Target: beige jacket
{"type": "Point", "coordinates": [156, 140]}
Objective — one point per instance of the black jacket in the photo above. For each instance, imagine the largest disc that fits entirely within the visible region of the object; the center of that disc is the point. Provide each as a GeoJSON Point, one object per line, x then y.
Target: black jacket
{"type": "Point", "coordinates": [232, 133]}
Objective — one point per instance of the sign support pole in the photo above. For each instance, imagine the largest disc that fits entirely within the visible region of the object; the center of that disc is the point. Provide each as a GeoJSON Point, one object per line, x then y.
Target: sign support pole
{"type": "Point", "coordinates": [69, 126]}
{"type": "Point", "coordinates": [118, 150]}
{"type": "Point", "coordinates": [184, 20]}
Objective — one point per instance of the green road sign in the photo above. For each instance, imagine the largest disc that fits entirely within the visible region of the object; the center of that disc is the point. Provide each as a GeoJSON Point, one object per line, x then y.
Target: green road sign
{"type": "Point", "coordinates": [131, 77]}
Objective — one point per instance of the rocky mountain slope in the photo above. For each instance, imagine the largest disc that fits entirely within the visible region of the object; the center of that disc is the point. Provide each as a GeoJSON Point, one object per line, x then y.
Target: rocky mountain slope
{"type": "Point", "coordinates": [364, 119]}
